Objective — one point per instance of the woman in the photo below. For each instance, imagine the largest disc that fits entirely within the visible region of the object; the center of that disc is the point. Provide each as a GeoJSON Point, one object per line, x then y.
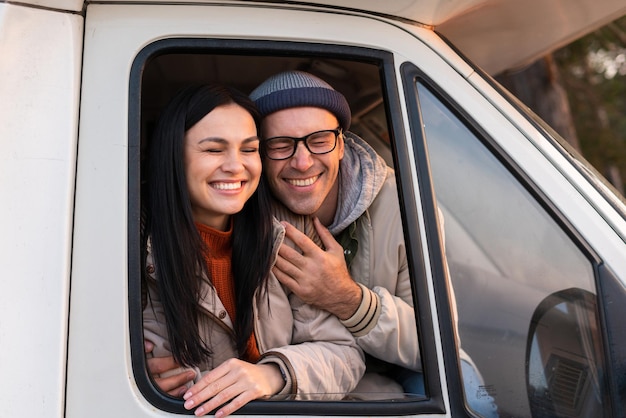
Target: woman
{"type": "Point", "coordinates": [212, 301]}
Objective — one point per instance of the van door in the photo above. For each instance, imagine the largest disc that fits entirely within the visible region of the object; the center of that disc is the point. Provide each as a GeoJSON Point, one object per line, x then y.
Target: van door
{"type": "Point", "coordinates": [135, 57]}
{"type": "Point", "coordinates": [527, 281]}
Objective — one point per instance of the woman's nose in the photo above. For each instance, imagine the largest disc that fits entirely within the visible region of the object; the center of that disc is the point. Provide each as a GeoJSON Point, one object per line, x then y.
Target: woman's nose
{"type": "Point", "coordinates": [233, 163]}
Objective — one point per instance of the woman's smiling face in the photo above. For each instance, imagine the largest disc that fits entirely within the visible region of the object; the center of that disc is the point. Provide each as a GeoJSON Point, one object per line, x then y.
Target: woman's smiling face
{"type": "Point", "coordinates": [222, 164]}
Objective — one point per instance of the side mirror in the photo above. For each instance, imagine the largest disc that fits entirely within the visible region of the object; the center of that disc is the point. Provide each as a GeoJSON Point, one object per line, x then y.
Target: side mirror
{"type": "Point", "coordinates": [564, 360]}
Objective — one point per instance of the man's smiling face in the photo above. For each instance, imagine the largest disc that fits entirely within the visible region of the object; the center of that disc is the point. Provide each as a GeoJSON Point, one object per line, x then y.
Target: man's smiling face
{"type": "Point", "coordinates": [306, 183]}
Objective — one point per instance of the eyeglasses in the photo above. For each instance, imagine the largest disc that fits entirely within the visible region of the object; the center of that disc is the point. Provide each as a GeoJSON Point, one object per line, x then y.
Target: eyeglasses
{"type": "Point", "coordinates": [283, 147]}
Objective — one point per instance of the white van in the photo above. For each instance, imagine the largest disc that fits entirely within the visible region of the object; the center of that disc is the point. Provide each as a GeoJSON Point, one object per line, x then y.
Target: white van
{"type": "Point", "coordinates": [535, 240]}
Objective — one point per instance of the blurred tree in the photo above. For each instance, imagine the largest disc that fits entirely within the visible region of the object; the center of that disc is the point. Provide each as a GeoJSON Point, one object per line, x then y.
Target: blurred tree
{"type": "Point", "coordinates": [580, 90]}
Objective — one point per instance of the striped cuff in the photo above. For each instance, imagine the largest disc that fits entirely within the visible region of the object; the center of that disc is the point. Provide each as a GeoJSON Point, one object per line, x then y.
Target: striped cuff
{"type": "Point", "coordinates": [286, 370]}
{"type": "Point", "coordinates": [366, 316]}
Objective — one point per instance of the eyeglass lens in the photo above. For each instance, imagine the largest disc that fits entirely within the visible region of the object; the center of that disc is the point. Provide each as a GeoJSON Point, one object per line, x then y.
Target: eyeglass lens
{"type": "Point", "coordinates": [283, 147]}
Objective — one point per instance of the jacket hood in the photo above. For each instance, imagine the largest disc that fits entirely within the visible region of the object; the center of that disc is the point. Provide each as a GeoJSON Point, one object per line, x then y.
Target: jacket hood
{"type": "Point", "coordinates": [362, 173]}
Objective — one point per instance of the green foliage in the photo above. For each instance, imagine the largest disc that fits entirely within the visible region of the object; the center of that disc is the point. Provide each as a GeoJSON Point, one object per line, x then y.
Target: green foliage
{"type": "Point", "coordinates": [593, 72]}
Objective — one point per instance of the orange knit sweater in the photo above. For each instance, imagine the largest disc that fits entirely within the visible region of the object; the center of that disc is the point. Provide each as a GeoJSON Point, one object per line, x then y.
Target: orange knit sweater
{"type": "Point", "coordinates": [219, 263]}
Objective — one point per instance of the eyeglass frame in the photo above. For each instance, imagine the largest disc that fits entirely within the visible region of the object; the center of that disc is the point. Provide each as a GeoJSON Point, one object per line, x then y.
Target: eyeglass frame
{"type": "Point", "coordinates": [337, 131]}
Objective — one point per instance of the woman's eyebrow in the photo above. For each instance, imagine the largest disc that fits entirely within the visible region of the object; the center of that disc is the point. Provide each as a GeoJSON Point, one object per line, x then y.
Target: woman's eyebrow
{"type": "Point", "coordinates": [220, 140]}
{"type": "Point", "coordinates": [213, 139]}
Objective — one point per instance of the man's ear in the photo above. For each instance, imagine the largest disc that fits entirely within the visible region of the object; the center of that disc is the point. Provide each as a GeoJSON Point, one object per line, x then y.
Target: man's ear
{"type": "Point", "coordinates": [340, 145]}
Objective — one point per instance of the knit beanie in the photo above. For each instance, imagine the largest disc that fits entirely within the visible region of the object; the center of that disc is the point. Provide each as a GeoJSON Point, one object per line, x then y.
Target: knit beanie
{"type": "Point", "coordinates": [300, 89]}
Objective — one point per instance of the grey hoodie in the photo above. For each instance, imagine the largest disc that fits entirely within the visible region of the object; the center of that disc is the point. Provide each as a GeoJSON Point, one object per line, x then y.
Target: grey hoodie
{"type": "Point", "coordinates": [362, 173]}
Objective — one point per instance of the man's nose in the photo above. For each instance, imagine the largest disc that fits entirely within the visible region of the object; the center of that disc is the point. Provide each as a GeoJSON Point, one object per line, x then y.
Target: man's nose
{"type": "Point", "coordinates": [302, 159]}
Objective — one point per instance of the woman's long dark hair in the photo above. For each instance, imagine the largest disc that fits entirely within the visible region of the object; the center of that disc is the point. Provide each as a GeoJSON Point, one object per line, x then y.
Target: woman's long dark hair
{"type": "Point", "coordinates": [176, 244]}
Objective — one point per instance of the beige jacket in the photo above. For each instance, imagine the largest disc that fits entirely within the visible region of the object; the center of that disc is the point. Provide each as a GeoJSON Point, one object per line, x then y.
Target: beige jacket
{"type": "Point", "coordinates": [313, 349]}
{"type": "Point", "coordinates": [381, 266]}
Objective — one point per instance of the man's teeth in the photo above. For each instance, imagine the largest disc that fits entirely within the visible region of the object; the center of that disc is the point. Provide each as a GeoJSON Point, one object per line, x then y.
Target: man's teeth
{"type": "Point", "coordinates": [303, 182]}
{"type": "Point", "coordinates": [227, 186]}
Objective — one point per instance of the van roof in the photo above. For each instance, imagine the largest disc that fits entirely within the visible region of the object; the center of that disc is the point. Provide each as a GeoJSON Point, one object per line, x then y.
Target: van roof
{"type": "Point", "coordinates": [495, 34]}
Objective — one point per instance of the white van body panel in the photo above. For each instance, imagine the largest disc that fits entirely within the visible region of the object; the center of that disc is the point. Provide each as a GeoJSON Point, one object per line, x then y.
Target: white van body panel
{"type": "Point", "coordinates": [66, 5]}
{"type": "Point", "coordinates": [39, 87]}
{"type": "Point", "coordinates": [495, 34]}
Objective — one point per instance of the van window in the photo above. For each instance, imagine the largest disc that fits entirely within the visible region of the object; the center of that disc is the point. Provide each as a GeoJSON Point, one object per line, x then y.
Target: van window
{"type": "Point", "coordinates": [367, 80]}
{"type": "Point", "coordinates": [525, 285]}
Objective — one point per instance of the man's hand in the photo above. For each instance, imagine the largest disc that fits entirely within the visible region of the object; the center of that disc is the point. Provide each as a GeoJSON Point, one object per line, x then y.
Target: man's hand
{"type": "Point", "coordinates": [231, 385]}
{"type": "Point", "coordinates": [319, 277]}
{"type": "Point", "coordinates": [174, 385]}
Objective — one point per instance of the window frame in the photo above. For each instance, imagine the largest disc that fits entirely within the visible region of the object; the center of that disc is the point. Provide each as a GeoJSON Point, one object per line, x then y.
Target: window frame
{"type": "Point", "coordinates": [410, 215]}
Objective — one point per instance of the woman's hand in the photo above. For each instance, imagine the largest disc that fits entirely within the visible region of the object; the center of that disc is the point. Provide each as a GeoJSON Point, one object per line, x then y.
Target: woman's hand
{"type": "Point", "coordinates": [233, 384]}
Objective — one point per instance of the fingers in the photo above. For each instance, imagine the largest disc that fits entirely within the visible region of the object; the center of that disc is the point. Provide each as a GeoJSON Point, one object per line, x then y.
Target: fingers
{"type": "Point", "coordinates": [234, 394]}
{"type": "Point", "coordinates": [158, 365]}
{"type": "Point", "coordinates": [234, 405]}
{"type": "Point", "coordinates": [177, 392]}
{"type": "Point", "coordinates": [213, 387]}
{"type": "Point", "coordinates": [299, 239]}
{"type": "Point", "coordinates": [175, 385]}
{"type": "Point", "coordinates": [288, 268]}
{"type": "Point", "coordinates": [229, 387]}
{"type": "Point", "coordinates": [307, 274]}
{"type": "Point", "coordinates": [327, 238]}
{"type": "Point", "coordinates": [286, 279]}
{"type": "Point", "coordinates": [289, 254]}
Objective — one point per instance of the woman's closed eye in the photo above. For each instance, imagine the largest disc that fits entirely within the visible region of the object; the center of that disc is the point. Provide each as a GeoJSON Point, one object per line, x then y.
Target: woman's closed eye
{"type": "Point", "coordinates": [250, 149]}
{"type": "Point", "coordinates": [213, 150]}
{"type": "Point", "coordinates": [251, 145]}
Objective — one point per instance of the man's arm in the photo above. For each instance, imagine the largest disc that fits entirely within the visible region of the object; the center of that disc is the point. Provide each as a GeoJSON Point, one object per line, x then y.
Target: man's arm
{"type": "Point", "coordinates": [174, 384]}
{"type": "Point", "coordinates": [380, 314]}
{"type": "Point", "coordinates": [381, 264]}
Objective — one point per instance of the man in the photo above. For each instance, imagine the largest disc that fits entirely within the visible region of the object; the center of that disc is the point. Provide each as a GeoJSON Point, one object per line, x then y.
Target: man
{"type": "Point", "coordinates": [314, 166]}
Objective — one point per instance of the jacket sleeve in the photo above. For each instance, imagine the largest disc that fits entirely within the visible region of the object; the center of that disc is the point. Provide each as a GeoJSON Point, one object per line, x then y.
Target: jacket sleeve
{"type": "Point", "coordinates": [392, 334]}
{"type": "Point", "coordinates": [323, 357]}
{"type": "Point", "coordinates": [384, 325]}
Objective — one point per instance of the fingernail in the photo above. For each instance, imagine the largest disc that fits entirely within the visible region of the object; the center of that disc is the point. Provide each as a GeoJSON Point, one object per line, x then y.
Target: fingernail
{"type": "Point", "coordinates": [189, 404]}
{"type": "Point", "coordinates": [187, 395]}
{"type": "Point", "coordinates": [199, 411]}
